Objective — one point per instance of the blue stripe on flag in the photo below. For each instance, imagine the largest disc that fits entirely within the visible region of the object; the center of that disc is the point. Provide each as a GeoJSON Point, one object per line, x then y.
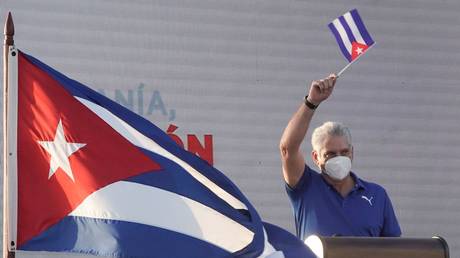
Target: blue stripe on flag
{"type": "Point", "coordinates": [340, 42]}
{"type": "Point", "coordinates": [122, 239]}
{"type": "Point", "coordinates": [362, 29]}
{"type": "Point", "coordinates": [172, 178]}
{"type": "Point", "coordinates": [350, 35]}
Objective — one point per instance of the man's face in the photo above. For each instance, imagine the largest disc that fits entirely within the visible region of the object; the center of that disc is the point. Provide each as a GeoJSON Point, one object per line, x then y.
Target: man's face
{"type": "Point", "coordinates": [333, 146]}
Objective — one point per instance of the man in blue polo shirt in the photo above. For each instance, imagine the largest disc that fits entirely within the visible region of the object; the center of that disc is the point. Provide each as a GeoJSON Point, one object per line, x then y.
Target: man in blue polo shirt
{"type": "Point", "coordinates": [335, 201]}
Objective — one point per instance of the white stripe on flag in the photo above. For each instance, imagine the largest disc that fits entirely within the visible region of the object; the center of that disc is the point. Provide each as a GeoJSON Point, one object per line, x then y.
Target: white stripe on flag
{"type": "Point", "coordinates": [140, 140]}
{"type": "Point", "coordinates": [343, 34]}
{"type": "Point", "coordinates": [354, 29]}
{"type": "Point", "coordinates": [133, 202]}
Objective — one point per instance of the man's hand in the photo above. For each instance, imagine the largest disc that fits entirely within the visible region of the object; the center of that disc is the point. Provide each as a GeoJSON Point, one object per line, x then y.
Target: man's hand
{"type": "Point", "coordinates": [322, 89]}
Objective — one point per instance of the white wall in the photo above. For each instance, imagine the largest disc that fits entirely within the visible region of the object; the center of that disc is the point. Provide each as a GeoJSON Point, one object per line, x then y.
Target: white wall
{"type": "Point", "coordinates": [239, 69]}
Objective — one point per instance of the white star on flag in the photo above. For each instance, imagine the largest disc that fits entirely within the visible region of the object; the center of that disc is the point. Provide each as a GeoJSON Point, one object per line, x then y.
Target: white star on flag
{"type": "Point", "coordinates": [60, 151]}
{"type": "Point", "coordinates": [359, 50]}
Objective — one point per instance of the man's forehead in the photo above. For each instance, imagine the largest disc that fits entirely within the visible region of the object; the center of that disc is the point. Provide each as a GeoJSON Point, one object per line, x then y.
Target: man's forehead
{"type": "Point", "coordinates": [335, 143]}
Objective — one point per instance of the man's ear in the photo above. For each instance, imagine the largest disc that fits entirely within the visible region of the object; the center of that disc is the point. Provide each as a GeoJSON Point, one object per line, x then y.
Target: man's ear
{"type": "Point", "coordinates": [315, 157]}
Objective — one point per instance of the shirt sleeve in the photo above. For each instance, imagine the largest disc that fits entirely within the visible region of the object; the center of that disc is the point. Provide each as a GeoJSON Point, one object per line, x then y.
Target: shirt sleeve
{"type": "Point", "coordinates": [294, 193]}
{"type": "Point", "coordinates": [390, 224]}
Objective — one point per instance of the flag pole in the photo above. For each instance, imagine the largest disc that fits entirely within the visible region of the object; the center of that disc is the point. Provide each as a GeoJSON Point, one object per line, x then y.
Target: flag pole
{"type": "Point", "coordinates": [9, 41]}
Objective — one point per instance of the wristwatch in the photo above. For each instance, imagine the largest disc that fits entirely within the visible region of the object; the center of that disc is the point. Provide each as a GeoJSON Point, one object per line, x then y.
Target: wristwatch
{"type": "Point", "coordinates": [309, 104]}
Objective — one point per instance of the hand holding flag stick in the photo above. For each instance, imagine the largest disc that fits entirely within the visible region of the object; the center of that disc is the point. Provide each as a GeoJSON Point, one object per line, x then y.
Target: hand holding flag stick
{"type": "Point", "coordinates": [352, 37]}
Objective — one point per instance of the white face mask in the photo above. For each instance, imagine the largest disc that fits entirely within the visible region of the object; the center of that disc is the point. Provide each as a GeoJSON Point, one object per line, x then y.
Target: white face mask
{"type": "Point", "coordinates": [338, 167]}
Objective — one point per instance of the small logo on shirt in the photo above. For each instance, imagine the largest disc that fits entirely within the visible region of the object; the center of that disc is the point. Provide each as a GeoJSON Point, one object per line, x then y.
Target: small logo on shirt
{"type": "Point", "coordinates": [368, 199]}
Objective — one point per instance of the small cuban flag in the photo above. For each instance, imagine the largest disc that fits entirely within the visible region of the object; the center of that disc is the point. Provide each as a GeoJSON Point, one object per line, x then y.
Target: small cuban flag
{"type": "Point", "coordinates": [351, 35]}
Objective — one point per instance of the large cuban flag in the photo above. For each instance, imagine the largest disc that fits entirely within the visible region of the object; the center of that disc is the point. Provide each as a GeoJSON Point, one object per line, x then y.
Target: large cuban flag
{"type": "Point", "coordinates": [351, 35]}
{"type": "Point", "coordinates": [92, 177]}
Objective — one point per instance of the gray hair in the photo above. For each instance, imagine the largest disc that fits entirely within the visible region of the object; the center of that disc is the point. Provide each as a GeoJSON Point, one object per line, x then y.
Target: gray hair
{"type": "Point", "coordinates": [329, 129]}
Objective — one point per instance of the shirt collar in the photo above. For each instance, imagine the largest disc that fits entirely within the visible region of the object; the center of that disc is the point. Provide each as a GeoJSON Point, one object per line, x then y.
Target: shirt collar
{"type": "Point", "coordinates": [358, 183]}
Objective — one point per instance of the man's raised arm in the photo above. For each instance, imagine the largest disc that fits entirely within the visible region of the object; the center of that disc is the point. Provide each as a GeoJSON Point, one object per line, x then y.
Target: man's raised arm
{"type": "Point", "coordinates": [293, 160]}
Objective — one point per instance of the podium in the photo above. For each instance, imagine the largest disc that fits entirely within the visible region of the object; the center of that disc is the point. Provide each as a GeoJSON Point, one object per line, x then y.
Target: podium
{"type": "Point", "coordinates": [378, 247]}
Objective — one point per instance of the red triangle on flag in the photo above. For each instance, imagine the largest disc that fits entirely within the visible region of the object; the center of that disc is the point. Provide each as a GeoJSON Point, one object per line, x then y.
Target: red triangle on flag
{"type": "Point", "coordinates": [103, 156]}
{"type": "Point", "coordinates": [357, 49]}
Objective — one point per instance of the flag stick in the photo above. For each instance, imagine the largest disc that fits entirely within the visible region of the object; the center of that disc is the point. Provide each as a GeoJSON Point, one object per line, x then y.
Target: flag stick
{"type": "Point", "coordinates": [9, 41]}
{"type": "Point", "coordinates": [349, 64]}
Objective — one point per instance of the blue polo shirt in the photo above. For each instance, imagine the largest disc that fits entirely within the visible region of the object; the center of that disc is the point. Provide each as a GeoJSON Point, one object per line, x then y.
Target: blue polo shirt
{"type": "Point", "coordinates": [319, 209]}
